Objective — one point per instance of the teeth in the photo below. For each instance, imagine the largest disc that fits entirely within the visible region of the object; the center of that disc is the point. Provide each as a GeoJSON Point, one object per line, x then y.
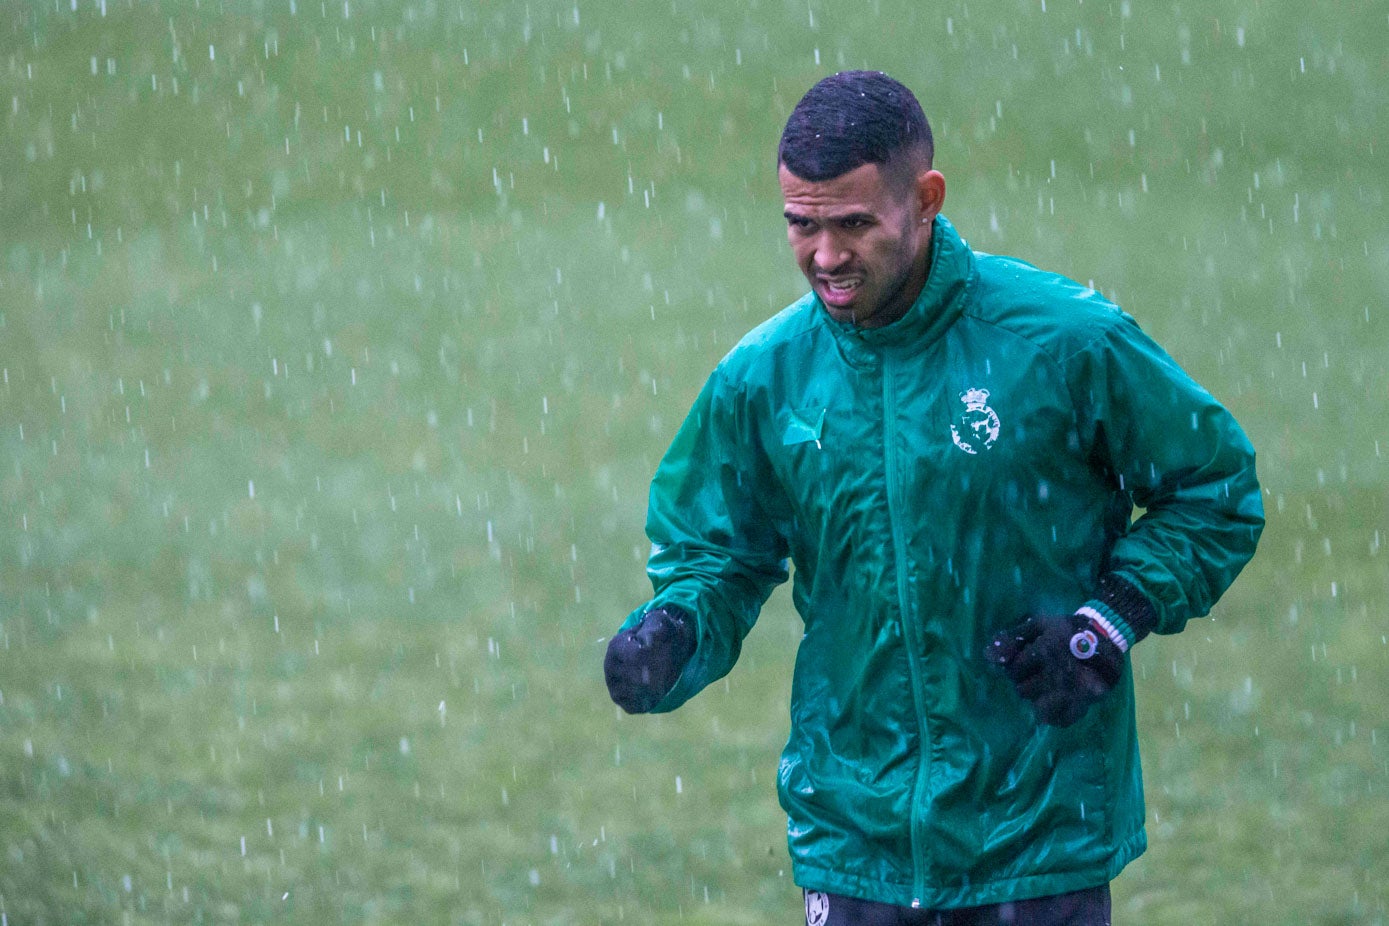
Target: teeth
{"type": "Point", "coordinates": [843, 287]}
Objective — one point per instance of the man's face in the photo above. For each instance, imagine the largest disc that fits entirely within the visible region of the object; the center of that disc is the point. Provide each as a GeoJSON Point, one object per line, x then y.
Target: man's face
{"type": "Point", "coordinates": [861, 242]}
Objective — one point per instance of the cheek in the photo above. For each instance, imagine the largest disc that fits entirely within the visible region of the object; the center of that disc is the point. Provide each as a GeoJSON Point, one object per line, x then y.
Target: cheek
{"type": "Point", "coordinates": [896, 254]}
{"type": "Point", "coordinates": [878, 254]}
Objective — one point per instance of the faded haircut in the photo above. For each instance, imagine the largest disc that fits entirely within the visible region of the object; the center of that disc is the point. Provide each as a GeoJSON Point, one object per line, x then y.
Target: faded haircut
{"type": "Point", "coordinates": [854, 118]}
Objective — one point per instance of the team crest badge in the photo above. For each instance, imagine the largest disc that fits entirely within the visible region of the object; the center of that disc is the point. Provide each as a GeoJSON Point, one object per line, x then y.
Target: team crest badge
{"type": "Point", "coordinates": [817, 908]}
{"type": "Point", "coordinates": [976, 428]}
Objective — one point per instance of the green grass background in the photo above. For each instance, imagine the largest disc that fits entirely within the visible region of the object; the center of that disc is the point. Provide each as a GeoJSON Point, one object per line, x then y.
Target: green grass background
{"type": "Point", "coordinates": [339, 341]}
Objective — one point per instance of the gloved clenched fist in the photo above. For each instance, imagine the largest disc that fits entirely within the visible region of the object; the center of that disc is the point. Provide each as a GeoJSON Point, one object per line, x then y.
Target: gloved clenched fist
{"type": "Point", "coordinates": [644, 663]}
{"type": "Point", "coordinates": [1063, 665]}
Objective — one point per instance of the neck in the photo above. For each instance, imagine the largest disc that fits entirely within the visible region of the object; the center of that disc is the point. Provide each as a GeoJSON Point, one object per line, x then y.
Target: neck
{"type": "Point", "coordinates": [906, 295]}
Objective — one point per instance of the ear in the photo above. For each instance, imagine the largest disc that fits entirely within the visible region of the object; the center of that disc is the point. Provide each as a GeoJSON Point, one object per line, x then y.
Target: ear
{"type": "Point", "coordinates": [930, 192]}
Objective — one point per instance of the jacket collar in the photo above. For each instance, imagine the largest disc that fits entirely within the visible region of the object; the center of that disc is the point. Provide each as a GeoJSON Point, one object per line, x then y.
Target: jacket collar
{"type": "Point", "coordinates": [935, 310]}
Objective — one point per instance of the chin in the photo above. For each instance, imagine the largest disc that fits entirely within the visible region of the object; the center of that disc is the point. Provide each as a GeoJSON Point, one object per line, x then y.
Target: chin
{"type": "Point", "coordinates": [843, 313]}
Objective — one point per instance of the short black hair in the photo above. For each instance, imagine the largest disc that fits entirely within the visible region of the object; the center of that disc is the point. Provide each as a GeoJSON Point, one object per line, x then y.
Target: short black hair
{"type": "Point", "coordinates": [854, 118]}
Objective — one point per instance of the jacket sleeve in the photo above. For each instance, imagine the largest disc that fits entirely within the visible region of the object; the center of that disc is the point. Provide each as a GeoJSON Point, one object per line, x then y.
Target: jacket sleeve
{"type": "Point", "coordinates": [714, 552]}
{"type": "Point", "coordinates": [1183, 459]}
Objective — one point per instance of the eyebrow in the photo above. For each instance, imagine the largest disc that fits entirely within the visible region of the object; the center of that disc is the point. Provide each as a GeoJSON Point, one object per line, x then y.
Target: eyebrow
{"type": "Point", "coordinates": [861, 216]}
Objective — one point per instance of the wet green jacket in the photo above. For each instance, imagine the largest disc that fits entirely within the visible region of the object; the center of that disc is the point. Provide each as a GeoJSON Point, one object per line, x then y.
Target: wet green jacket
{"type": "Point", "coordinates": [934, 481]}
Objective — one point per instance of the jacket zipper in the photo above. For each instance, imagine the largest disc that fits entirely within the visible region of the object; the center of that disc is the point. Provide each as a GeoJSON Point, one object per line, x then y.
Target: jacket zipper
{"type": "Point", "coordinates": [906, 611]}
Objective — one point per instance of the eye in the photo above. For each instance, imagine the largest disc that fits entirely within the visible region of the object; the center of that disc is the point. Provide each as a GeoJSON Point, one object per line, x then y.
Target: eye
{"type": "Point", "coordinates": [798, 222]}
{"type": "Point", "coordinates": [853, 222]}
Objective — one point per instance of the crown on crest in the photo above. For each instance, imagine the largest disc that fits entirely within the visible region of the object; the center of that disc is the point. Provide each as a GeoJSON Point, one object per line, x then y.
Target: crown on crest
{"type": "Point", "coordinates": [974, 398]}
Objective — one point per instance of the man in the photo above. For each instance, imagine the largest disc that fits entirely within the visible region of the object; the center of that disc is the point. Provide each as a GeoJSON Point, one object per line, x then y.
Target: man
{"type": "Point", "coordinates": [950, 446]}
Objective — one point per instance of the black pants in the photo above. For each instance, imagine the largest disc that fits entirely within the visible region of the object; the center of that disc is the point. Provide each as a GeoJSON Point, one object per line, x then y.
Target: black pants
{"type": "Point", "coordinates": [1089, 907]}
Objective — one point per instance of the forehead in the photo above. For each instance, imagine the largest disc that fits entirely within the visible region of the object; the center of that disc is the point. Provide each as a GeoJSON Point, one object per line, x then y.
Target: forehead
{"type": "Point", "coordinates": [863, 189]}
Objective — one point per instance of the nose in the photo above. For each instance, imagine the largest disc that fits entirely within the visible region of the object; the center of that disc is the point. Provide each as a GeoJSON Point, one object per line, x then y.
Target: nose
{"type": "Point", "coordinates": [829, 253]}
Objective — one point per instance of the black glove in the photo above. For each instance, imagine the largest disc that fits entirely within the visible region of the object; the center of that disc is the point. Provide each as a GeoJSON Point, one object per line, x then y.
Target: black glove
{"type": "Point", "coordinates": [1063, 665]}
{"type": "Point", "coordinates": [644, 663]}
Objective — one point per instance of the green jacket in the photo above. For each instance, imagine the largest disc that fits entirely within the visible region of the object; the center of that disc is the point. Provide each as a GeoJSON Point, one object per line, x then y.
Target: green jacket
{"type": "Point", "coordinates": [934, 481]}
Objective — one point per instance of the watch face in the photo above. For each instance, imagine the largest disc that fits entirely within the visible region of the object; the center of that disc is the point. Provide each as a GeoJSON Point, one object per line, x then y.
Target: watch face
{"type": "Point", "coordinates": [1084, 644]}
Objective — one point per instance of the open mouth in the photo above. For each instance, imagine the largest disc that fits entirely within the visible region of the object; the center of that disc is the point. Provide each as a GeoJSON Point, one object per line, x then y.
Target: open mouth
{"type": "Point", "coordinates": [839, 292]}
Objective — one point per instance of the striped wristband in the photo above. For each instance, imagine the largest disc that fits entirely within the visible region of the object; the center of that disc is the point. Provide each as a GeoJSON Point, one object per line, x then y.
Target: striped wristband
{"type": "Point", "coordinates": [1110, 624]}
{"type": "Point", "coordinates": [1120, 611]}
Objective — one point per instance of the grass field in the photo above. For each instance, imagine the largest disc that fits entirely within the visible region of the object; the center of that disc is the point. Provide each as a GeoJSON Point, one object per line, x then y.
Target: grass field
{"type": "Point", "coordinates": [340, 339]}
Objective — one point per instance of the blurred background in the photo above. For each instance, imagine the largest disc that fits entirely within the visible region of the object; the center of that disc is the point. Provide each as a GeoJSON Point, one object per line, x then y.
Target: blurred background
{"type": "Point", "coordinates": [339, 340]}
